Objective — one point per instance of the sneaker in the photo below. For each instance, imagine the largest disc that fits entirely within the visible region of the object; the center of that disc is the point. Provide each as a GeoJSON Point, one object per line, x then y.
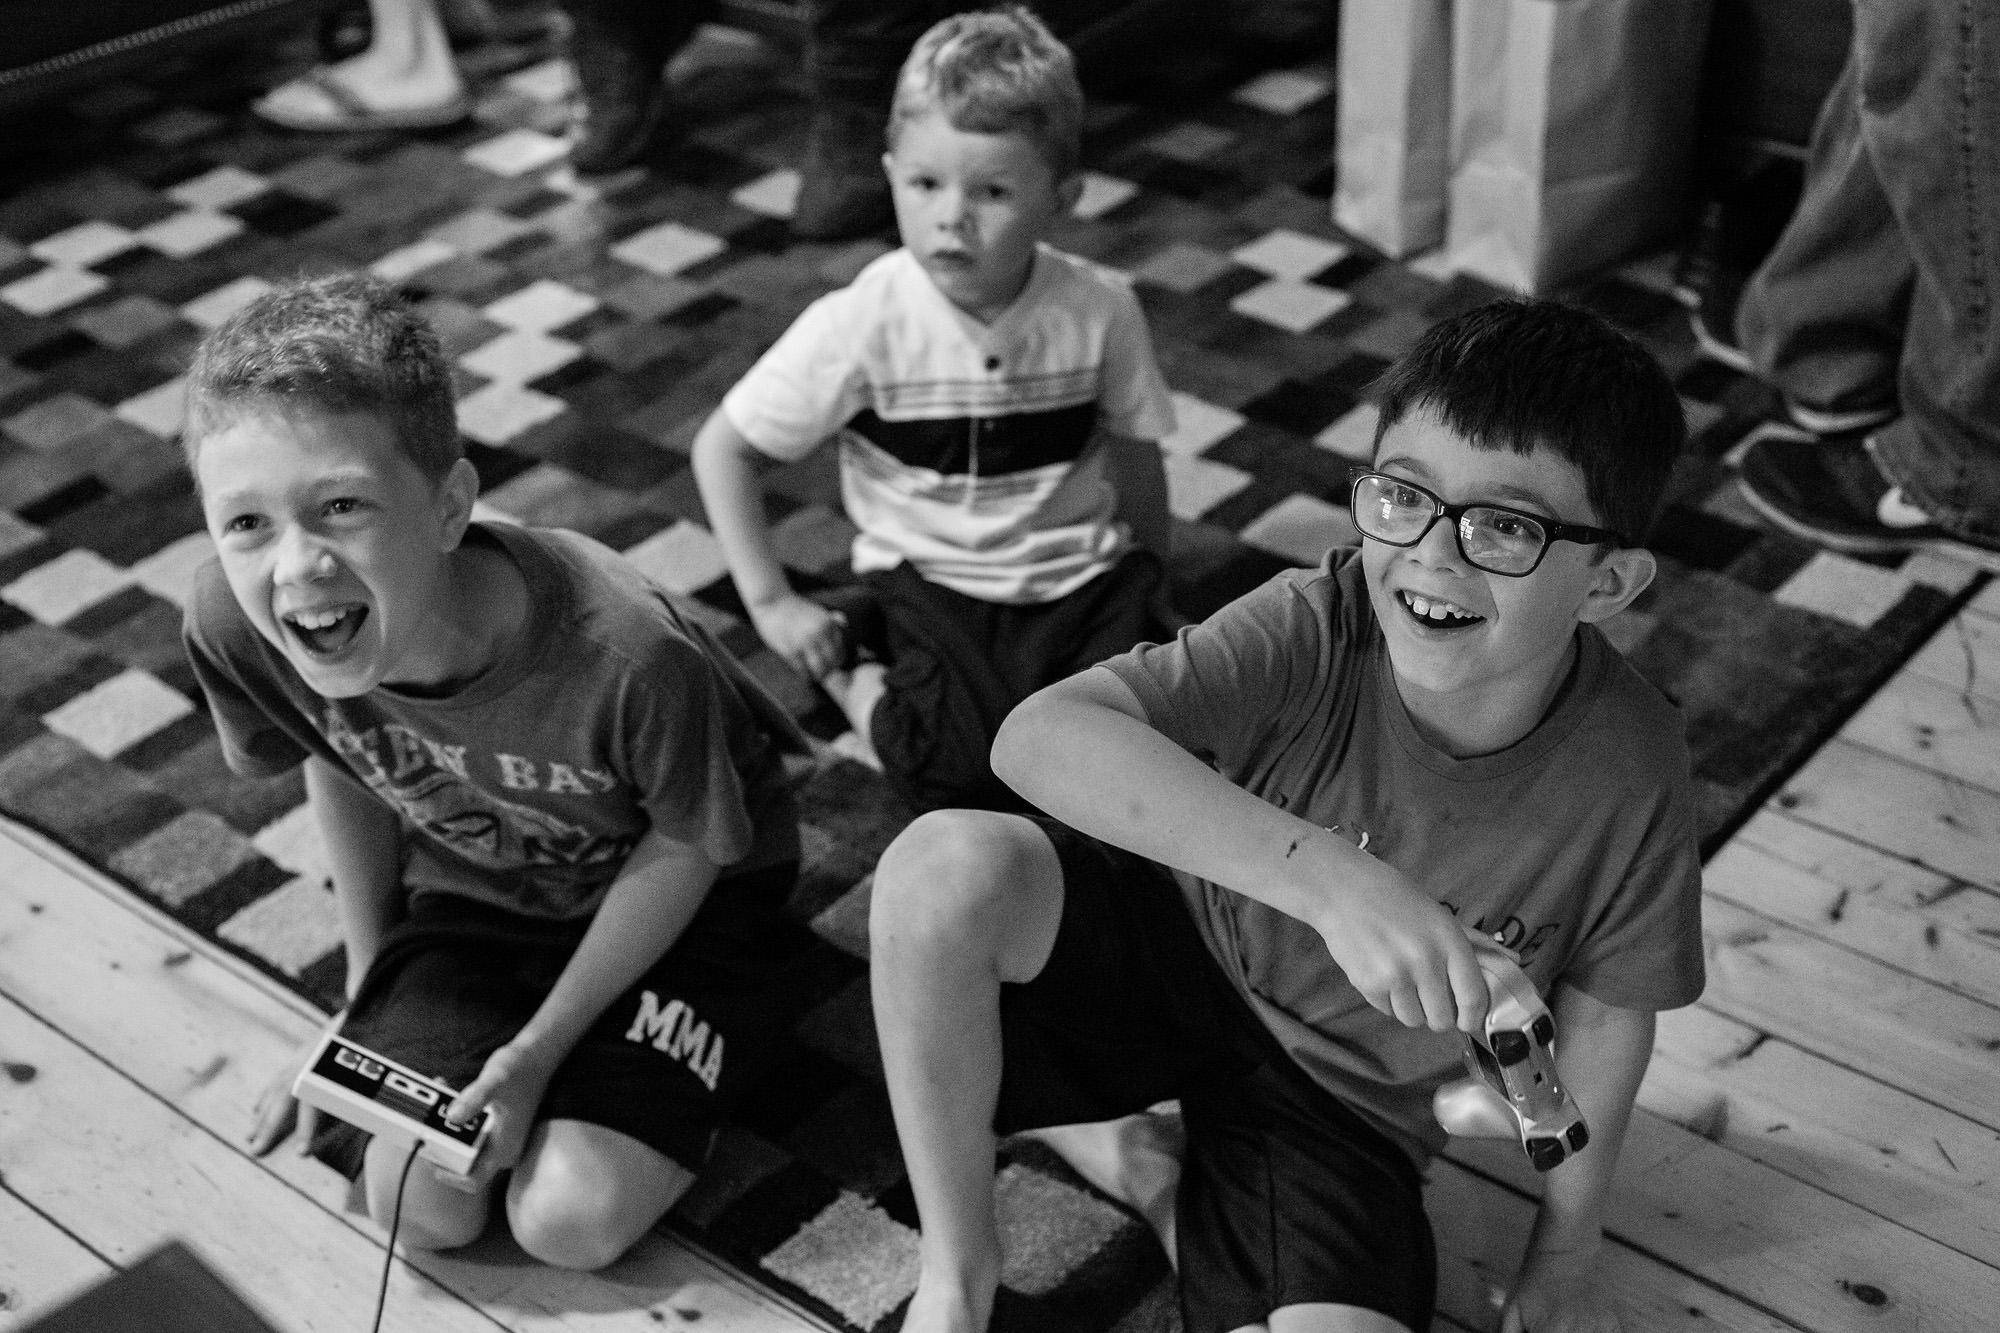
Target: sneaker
{"type": "Point", "coordinates": [1830, 421]}
{"type": "Point", "coordinates": [1712, 318]}
{"type": "Point", "coordinates": [621, 95]}
{"type": "Point", "coordinates": [1713, 321]}
{"type": "Point", "coordinates": [1832, 493]}
{"type": "Point", "coordinates": [1738, 226]}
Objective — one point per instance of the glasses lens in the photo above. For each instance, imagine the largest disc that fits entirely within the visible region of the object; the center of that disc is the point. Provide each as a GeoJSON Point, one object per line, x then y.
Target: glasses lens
{"type": "Point", "coordinates": [1390, 511]}
{"type": "Point", "coordinates": [1501, 540]}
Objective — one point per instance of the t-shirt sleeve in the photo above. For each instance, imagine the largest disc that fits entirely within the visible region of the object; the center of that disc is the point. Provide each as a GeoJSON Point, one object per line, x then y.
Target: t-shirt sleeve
{"type": "Point", "coordinates": [218, 643]}
{"type": "Point", "coordinates": [682, 718]}
{"type": "Point", "coordinates": [1220, 688]}
{"type": "Point", "coordinates": [1133, 399]}
{"type": "Point", "coordinates": [807, 385]}
{"type": "Point", "coordinates": [1643, 949]}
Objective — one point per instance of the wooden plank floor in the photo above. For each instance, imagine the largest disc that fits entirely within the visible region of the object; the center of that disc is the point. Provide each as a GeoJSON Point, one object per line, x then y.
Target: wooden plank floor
{"type": "Point", "coordinates": [1818, 1145]}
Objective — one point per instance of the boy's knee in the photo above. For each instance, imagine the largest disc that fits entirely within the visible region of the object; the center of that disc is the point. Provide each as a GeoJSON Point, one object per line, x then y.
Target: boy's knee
{"type": "Point", "coordinates": [432, 1219]}
{"type": "Point", "coordinates": [951, 874]}
{"type": "Point", "coordinates": [567, 1228]}
{"type": "Point", "coordinates": [433, 1233]}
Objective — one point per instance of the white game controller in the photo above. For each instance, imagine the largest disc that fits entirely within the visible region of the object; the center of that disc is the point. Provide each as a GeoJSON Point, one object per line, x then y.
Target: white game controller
{"type": "Point", "coordinates": [374, 1093]}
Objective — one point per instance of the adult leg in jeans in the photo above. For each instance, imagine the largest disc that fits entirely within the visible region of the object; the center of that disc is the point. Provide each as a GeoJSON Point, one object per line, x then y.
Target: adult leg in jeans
{"type": "Point", "coordinates": [1822, 318]}
{"type": "Point", "coordinates": [1930, 116]}
{"type": "Point", "coordinates": [620, 49]}
{"type": "Point", "coordinates": [854, 49]}
{"type": "Point", "coordinates": [1890, 260]}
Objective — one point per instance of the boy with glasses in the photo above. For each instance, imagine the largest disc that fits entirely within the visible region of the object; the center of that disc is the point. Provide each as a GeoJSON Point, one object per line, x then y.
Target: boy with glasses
{"type": "Point", "coordinates": [1280, 836]}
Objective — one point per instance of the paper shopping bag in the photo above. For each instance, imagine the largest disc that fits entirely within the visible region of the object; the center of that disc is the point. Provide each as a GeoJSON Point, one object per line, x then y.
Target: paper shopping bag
{"type": "Point", "coordinates": [1394, 132]}
{"type": "Point", "coordinates": [1572, 133]}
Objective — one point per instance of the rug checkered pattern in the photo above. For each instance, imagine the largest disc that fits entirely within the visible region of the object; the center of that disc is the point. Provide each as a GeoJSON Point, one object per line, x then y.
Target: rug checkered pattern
{"type": "Point", "coordinates": [593, 326]}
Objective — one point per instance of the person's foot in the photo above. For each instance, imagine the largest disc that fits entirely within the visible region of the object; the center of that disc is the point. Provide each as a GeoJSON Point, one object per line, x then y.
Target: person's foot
{"type": "Point", "coordinates": [1712, 319]}
{"type": "Point", "coordinates": [1135, 1160]}
{"type": "Point", "coordinates": [359, 95]}
{"type": "Point", "coordinates": [856, 691]}
{"type": "Point", "coordinates": [1832, 493]}
{"type": "Point", "coordinates": [942, 1307]}
{"type": "Point", "coordinates": [843, 191]}
{"type": "Point", "coordinates": [621, 98]}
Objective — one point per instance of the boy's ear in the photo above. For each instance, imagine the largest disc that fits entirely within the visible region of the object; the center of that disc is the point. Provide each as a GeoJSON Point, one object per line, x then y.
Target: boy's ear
{"type": "Point", "coordinates": [1621, 576]}
{"type": "Point", "coordinates": [455, 496]}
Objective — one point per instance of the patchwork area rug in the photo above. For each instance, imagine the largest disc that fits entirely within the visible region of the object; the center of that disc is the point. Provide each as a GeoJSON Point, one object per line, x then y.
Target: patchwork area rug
{"type": "Point", "coordinates": [594, 326]}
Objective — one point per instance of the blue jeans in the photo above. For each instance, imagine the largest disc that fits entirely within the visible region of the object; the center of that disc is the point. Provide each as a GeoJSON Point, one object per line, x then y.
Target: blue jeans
{"type": "Point", "coordinates": [1882, 287]}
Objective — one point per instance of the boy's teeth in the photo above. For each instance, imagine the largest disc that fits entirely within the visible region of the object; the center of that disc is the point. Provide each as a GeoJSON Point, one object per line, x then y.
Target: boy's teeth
{"type": "Point", "coordinates": [1429, 609]}
{"type": "Point", "coordinates": [318, 619]}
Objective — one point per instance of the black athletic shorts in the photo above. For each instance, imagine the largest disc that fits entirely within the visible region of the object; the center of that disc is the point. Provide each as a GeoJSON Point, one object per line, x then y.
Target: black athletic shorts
{"type": "Point", "coordinates": [1287, 1196]}
{"type": "Point", "coordinates": [456, 980]}
{"type": "Point", "coordinates": [957, 665]}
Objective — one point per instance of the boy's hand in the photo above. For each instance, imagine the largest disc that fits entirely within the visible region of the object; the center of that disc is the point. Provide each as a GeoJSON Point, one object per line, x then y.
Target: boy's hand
{"type": "Point", "coordinates": [801, 631]}
{"type": "Point", "coordinates": [510, 1088]}
{"type": "Point", "coordinates": [1559, 1293]}
{"type": "Point", "coordinates": [1406, 954]}
{"type": "Point", "coordinates": [277, 1111]}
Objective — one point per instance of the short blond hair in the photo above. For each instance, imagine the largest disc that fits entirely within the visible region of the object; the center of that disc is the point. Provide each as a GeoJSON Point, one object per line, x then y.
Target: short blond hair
{"type": "Point", "coordinates": [996, 71]}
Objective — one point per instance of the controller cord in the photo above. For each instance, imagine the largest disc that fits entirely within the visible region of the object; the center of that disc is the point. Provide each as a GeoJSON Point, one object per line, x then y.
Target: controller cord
{"type": "Point", "coordinates": [389, 1254]}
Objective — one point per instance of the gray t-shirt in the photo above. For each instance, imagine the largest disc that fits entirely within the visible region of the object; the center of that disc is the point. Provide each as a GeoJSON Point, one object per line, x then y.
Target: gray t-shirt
{"type": "Point", "coordinates": [528, 786]}
{"type": "Point", "coordinates": [1575, 844]}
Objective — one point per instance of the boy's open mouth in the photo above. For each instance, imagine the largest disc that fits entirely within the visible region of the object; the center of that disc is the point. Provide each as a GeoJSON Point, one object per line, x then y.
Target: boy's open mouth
{"type": "Point", "coordinates": [1437, 614]}
{"type": "Point", "coordinates": [326, 632]}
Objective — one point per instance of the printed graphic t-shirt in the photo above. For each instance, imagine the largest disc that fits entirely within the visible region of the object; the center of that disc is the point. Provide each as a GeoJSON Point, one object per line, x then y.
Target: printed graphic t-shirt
{"type": "Point", "coordinates": [1575, 845]}
{"type": "Point", "coordinates": [529, 786]}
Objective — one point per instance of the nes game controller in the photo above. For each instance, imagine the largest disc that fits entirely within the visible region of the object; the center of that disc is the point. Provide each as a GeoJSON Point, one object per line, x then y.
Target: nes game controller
{"type": "Point", "coordinates": [374, 1093]}
{"type": "Point", "coordinates": [1513, 1088]}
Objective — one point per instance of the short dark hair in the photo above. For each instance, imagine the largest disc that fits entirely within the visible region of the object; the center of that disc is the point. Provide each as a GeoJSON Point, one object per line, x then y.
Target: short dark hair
{"type": "Point", "coordinates": [342, 343]}
{"type": "Point", "coordinates": [1522, 374]}
{"type": "Point", "coordinates": [996, 71]}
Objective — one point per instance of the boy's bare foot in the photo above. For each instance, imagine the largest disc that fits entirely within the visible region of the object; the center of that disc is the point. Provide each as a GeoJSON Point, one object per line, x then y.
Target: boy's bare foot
{"type": "Point", "coordinates": [856, 691]}
{"type": "Point", "coordinates": [853, 745]}
{"type": "Point", "coordinates": [941, 1306]}
{"type": "Point", "coordinates": [1136, 1160]}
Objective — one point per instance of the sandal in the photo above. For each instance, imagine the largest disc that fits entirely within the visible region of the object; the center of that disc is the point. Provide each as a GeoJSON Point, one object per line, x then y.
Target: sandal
{"type": "Point", "coordinates": [346, 113]}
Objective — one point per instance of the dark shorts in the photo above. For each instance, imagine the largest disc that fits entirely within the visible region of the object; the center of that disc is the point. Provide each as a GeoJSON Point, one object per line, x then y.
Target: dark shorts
{"type": "Point", "coordinates": [958, 665]}
{"type": "Point", "coordinates": [455, 980]}
{"type": "Point", "coordinates": [1287, 1196]}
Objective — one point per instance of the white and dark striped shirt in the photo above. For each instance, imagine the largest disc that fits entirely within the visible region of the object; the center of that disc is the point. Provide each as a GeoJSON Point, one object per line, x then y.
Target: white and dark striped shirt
{"type": "Point", "coordinates": [966, 449]}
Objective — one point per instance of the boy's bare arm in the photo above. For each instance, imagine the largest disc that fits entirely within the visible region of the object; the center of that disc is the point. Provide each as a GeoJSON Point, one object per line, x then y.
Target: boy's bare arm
{"type": "Point", "coordinates": [656, 894]}
{"type": "Point", "coordinates": [1082, 750]}
{"type": "Point", "coordinates": [1601, 1055]}
{"type": "Point", "coordinates": [1139, 479]}
{"type": "Point", "coordinates": [726, 471]}
{"type": "Point", "coordinates": [363, 840]}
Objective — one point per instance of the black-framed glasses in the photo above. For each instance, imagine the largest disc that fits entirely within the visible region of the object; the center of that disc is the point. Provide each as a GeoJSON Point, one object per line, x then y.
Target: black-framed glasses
{"type": "Point", "coordinates": [1494, 538]}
